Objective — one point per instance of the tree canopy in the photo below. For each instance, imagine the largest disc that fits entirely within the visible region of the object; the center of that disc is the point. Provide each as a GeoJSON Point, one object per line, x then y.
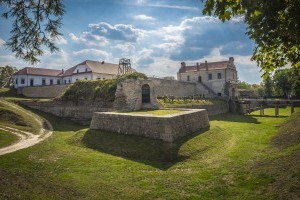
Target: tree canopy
{"type": "Point", "coordinates": [6, 76]}
{"type": "Point", "coordinates": [274, 25]}
{"type": "Point", "coordinates": [35, 25]}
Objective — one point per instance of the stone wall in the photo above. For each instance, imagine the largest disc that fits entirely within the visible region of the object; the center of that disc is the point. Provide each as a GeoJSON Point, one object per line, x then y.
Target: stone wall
{"type": "Point", "coordinates": [129, 92]}
{"type": "Point", "coordinates": [167, 128]}
{"type": "Point", "coordinates": [49, 91]}
{"type": "Point", "coordinates": [77, 112]}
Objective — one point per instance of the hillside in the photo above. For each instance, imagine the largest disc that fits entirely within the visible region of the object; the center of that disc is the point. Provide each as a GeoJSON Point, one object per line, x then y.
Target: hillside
{"type": "Point", "coordinates": [238, 158]}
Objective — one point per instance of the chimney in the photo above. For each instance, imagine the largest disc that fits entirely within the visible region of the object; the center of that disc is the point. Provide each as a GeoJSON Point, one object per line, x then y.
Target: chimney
{"type": "Point", "coordinates": [198, 67]}
{"type": "Point", "coordinates": [183, 65]}
{"type": "Point", "coordinates": [62, 71]}
{"type": "Point", "coordinates": [102, 62]}
{"type": "Point", "coordinates": [206, 65]}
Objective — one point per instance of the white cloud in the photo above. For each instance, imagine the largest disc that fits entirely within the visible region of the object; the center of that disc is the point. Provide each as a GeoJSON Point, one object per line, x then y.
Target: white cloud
{"type": "Point", "coordinates": [60, 40]}
{"type": "Point", "coordinates": [2, 42]}
{"type": "Point", "coordinates": [89, 39]}
{"type": "Point", "coordinates": [143, 18]}
{"type": "Point", "coordinates": [93, 53]}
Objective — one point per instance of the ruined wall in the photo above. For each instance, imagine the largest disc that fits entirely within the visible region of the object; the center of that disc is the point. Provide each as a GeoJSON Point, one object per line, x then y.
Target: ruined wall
{"type": "Point", "coordinates": [129, 92]}
{"type": "Point", "coordinates": [77, 112]}
{"type": "Point", "coordinates": [49, 91]}
{"type": "Point", "coordinates": [167, 128]}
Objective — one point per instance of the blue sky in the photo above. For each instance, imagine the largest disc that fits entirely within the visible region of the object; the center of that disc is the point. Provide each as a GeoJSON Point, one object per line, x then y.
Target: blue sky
{"type": "Point", "coordinates": [155, 35]}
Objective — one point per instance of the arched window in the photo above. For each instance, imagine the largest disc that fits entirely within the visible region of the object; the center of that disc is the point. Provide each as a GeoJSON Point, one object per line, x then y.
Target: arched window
{"type": "Point", "coordinates": [145, 93]}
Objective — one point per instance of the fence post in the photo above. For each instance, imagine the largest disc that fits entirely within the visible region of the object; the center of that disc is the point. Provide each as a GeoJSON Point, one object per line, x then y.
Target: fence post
{"type": "Point", "coordinates": [292, 107]}
{"type": "Point", "coordinates": [276, 109]}
{"type": "Point", "coordinates": [262, 112]}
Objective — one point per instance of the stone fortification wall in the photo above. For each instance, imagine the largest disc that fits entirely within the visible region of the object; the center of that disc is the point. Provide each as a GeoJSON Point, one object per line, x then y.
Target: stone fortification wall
{"type": "Point", "coordinates": [129, 92]}
{"type": "Point", "coordinates": [50, 91]}
{"type": "Point", "coordinates": [77, 112]}
{"type": "Point", "coordinates": [167, 128]}
{"type": "Point", "coordinates": [215, 109]}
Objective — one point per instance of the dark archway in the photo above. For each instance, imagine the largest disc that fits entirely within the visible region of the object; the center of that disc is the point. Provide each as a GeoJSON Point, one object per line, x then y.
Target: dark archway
{"type": "Point", "coordinates": [146, 93]}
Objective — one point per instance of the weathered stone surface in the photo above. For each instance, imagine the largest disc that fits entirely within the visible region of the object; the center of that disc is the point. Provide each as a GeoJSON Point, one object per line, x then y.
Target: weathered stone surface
{"type": "Point", "coordinates": [167, 128]}
{"type": "Point", "coordinates": [49, 91]}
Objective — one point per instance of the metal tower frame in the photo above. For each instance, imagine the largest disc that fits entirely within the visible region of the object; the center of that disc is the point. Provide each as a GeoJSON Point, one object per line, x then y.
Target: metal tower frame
{"type": "Point", "coordinates": [124, 66]}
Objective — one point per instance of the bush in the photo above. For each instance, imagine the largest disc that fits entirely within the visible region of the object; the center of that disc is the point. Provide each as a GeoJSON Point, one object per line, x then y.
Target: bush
{"type": "Point", "coordinates": [97, 90]}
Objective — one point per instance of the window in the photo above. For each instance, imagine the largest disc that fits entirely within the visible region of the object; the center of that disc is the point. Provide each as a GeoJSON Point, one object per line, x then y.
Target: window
{"type": "Point", "coordinates": [22, 80]}
{"type": "Point", "coordinates": [58, 82]}
{"type": "Point", "coordinates": [219, 94]}
{"type": "Point", "coordinates": [69, 80]}
{"type": "Point", "coordinates": [77, 70]}
{"type": "Point", "coordinates": [51, 81]}
{"type": "Point", "coordinates": [65, 82]}
{"type": "Point", "coordinates": [16, 81]}
{"type": "Point", "coordinates": [199, 79]}
{"type": "Point", "coordinates": [219, 75]}
{"type": "Point", "coordinates": [31, 82]}
{"type": "Point", "coordinates": [188, 78]}
{"type": "Point", "coordinates": [146, 93]}
{"type": "Point", "coordinates": [76, 79]}
{"type": "Point", "coordinates": [43, 81]}
{"type": "Point", "coordinates": [85, 69]}
{"type": "Point", "coordinates": [209, 76]}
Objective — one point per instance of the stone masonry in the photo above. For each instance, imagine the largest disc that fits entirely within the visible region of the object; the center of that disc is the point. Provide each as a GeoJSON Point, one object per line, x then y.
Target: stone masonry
{"type": "Point", "coordinates": [167, 128]}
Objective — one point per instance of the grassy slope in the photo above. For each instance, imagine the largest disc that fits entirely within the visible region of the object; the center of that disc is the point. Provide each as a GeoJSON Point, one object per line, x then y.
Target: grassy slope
{"type": "Point", "coordinates": [7, 138]}
{"type": "Point", "coordinates": [232, 160]}
{"type": "Point", "coordinates": [17, 117]}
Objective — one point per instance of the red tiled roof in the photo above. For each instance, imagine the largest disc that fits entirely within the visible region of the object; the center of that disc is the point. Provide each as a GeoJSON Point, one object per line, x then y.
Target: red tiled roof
{"type": "Point", "coordinates": [39, 71]}
{"type": "Point", "coordinates": [203, 66]}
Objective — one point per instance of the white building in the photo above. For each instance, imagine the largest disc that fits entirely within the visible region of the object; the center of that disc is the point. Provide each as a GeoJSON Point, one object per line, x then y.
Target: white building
{"type": "Point", "coordinates": [220, 77]}
{"type": "Point", "coordinates": [87, 70]}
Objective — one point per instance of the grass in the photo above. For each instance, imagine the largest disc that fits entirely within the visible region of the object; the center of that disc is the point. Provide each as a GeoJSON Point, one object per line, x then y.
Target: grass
{"type": "Point", "coordinates": [17, 117]}
{"type": "Point", "coordinates": [157, 112]}
{"type": "Point", "coordinates": [237, 158]}
{"type": "Point", "coordinates": [7, 138]}
{"type": "Point", "coordinates": [11, 94]}
{"type": "Point", "coordinates": [188, 103]}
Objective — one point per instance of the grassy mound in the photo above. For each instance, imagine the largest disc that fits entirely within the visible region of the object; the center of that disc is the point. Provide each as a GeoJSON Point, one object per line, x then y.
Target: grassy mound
{"type": "Point", "coordinates": [17, 117]}
{"type": "Point", "coordinates": [7, 138]}
{"type": "Point", "coordinates": [97, 90]}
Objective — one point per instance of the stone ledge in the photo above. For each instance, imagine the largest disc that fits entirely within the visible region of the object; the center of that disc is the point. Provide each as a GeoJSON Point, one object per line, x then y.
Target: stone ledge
{"type": "Point", "coordinates": [167, 128]}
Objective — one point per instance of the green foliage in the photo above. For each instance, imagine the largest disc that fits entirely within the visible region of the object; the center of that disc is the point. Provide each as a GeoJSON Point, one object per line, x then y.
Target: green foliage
{"type": "Point", "coordinates": [7, 138]}
{"type": "Point", "coordinates": [268, 86]}
{"type": "Point", "coordinates": [97, 90]}
{"type": "Point", "coordinates": [287, 82]}
{"type": "Point", "coordinates": [35, 25]}
{"type": "Point", "coordinates": [274, 25]}
{"type": "Point", "coordinates": [6, 76]}
{"type": "Point", "coordinates": [256, 89]}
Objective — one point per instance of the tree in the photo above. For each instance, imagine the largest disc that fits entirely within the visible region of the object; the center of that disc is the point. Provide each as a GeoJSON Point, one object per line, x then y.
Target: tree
{"type": "Point", "coordinates": [287, 82]}
{"type": "Point", "coordinates": [274, 25]}
{"type": "Point", "coordinates": [268, 87]}
{"type": "Point", "coordinates": [35, 25]}
{"type": "Point", "coordinates": [6, 76]}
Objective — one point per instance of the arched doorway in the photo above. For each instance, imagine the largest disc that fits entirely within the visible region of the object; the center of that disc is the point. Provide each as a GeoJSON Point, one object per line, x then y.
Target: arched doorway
{"type": "Point", "coordinates": [146, 93]}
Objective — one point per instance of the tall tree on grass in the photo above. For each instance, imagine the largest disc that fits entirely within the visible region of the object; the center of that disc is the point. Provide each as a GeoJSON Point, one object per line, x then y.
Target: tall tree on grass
{"type": "Point", "coordinates": [35, 25]}
{"type": "Point", "coordinates": [287, 82]}
{"type": "Point", "coordinates": [274, 25]}
{"type": "Point", "coordinates": [6, 76]}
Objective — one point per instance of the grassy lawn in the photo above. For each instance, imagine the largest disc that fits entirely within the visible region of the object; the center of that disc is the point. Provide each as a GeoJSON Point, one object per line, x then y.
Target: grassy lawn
{"type": "Point", "coordinates": [7, 139]}
{"type": "Point", "coordinates": [178, 103]}
{"type": "Point", "coordinates": [239, 157]}
{"type": "Point", "coordinates": [17, 117]}
{"type": "Point", "coordinates": [157, 112]}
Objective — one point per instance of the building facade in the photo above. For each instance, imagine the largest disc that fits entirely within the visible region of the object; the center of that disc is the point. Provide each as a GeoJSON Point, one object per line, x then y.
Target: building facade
{"type": "Point", "coordinates": [219, 77]}
{"type": "Point", "coordinates": [87, 70]}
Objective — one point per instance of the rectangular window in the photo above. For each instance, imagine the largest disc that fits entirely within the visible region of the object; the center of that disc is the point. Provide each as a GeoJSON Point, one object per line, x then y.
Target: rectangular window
{"type": "Point", "coordinates": [51, 81]}
{"type": "Point", "coordinates": [43, 81]}
{"type": "Point", "coordinates": [22, 80]}
{"type": "Point", "coordinates": [65, 82]}
{"type": "Point", "coordinates": [209, 76]}
{"type": "Point", "coordinates": [188, 78]}
{"type": "Point", "coordinates": [69, 80]}
{"type": "Point", "coordinates": [58, 82]}
{"type": "Point", "coordinates": [219, 75]}
{"type": "Point", "coordinates": [31, 82]}
{"type": "Point", "coordinates": [77, 70]}
{"type": "Point", "coordinates": [16, 81]}
{"type": "Point", "coordinates": [85, 69]}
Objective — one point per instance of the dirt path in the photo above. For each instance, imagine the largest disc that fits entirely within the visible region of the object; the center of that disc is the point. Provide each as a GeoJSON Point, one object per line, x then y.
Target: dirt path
{"type": "Point", "coordinates": [26, 139]}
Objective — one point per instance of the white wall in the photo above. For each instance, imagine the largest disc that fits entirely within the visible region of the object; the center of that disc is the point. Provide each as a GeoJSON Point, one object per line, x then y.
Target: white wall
{"type": "Point", "coordinates": [37, 80]}
{"type": "Point", "coordinates": [81, 69]}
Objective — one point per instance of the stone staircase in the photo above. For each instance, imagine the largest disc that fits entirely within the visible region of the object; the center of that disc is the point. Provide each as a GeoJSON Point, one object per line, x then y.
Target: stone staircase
{"type": "Point", "coordinates": [211, 93]}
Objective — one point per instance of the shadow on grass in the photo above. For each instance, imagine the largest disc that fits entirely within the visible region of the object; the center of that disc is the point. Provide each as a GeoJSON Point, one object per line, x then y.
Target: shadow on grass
{"type": "Point", "coordinates": [234, 118]}
{"type": "Point", "coordinates": [152, 152]}
{"type": "Point", "coordinates": [271, 116]}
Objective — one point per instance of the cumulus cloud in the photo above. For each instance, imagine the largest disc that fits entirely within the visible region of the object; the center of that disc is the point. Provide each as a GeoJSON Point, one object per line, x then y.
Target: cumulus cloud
{"type": "Point", "coordinates": [92, 53]}
{"type": "Point", "coordinates": [121, 32]}
{"type": "Point", "coordinates": [88, 38]}
{"type": "Point", "coordinates": [2, 42]}
{"type": "Point", "coordinates": [143, 18]}
{"type": "Point", "coordinates": [60, 40]}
